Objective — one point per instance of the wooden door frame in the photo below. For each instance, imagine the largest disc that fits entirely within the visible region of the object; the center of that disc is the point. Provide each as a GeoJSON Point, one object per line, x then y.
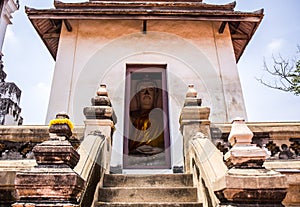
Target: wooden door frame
{"type": "Point", "coordinates": [147, 68]}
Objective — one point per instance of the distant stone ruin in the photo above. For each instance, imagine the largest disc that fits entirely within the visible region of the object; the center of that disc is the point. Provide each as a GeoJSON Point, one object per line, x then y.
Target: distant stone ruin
{"type": "Point", "coordinates": [10, 95]}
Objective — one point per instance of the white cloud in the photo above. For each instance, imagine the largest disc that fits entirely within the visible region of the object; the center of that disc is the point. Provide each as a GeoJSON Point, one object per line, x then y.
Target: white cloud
{"type": "Point", "coordinates": [10, 37]}
{"type": "Point", "coordinates": [275, 45]}
{"type": "Point", "coordinates": [43, 88]}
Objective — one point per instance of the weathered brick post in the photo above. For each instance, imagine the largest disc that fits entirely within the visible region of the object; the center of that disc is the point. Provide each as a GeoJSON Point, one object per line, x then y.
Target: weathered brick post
{"type": "Point", "coordinates": [193, 119]}
{"type": "Point", "coordinates": [53, 182]}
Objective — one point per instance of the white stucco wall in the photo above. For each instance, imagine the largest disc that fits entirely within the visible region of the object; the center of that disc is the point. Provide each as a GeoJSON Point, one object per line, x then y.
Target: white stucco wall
{"type": "Point", "coordinates": [96, 51]}
{"type": "Point", "coordinates": [9, 6]}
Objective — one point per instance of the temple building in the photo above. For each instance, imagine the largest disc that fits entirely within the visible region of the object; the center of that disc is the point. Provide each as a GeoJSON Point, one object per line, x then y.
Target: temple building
{"type": "Point", "coordinates": [154, 92]}
{"type": "Point", "coordinates": [173, 43]}
{"type": "Point", "coordinates": [10, 94]}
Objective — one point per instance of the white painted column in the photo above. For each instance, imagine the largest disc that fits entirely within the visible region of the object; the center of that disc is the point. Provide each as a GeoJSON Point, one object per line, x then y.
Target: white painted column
{"type": "Point", "coordinates": [64, 68]}
{"type": "Point", "coordinates": [232, 89]}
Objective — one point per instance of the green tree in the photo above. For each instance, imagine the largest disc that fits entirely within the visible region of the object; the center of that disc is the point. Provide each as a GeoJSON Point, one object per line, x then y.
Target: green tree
{"type": "Point", "coordinates": [285, 74]}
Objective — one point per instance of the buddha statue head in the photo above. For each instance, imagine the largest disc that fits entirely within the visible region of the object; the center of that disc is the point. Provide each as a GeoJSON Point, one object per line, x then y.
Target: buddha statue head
{"type": "Point", "coordinates": [146, 94]}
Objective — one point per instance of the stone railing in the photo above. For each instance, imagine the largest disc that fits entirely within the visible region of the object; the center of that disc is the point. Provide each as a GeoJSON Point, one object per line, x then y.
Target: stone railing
{"type": "Point", "coordinates": [53, 182]}
{"type": "Point", "coordinates": [92, 142]}
{"type": "Point", "coordinates": [95, 149]}
{"type": "Point", "coordinates": [64, 177]}
{"type": "Point", "coordinates": [208, 169]}
{"type": "Point", "coordinates": [236, 179]}
{"type": "Point", "coordinates": [17, 142]}
{"type": "Point", "coordinates": [16, 145]}
{"type": "Point", "coordinates": [282, 139]}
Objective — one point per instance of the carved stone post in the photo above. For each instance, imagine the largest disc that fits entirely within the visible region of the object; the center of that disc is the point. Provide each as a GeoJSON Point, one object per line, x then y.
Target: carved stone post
{"type": "Point", "coordinates": [53, 182]}
{"type": "Point", "coordinates": [193, 119]}
{"type": "Point", "coordinates": [100, 118]}
{"type": "Point", "coordinates": [247, 182]}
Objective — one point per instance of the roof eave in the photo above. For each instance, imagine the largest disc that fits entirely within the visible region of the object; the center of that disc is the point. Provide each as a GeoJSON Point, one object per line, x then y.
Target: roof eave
{"type": "Point", "coordinates": [60, 14]}
{"type": "Point", "coordinates": [139, 14]}
{"type": "Point", "coordinates": [260, 15]}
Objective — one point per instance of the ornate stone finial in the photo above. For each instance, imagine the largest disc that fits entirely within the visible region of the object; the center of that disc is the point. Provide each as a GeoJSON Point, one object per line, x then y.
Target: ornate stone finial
{"type": "Point", "coordinates": [62, 115]}
{"type": "Point", "coordinates": [101, 105]}
{"type": "Point", "coordinates": [102, 91]}
{"type": "Point", "coordinates": [240, 133]}
{"type": "Point", "coordinates": [61, 126]}
{"type": "Point", "coordinates": [191, 92]}
{"type": "Point", "coordinates": [101, 98]}
{"type": "Point", "coordinates": [243, 154]}
{"type": "Point", "coordinates": [48, 152]}
{"type": "Point", "coordinates": [191, 97]}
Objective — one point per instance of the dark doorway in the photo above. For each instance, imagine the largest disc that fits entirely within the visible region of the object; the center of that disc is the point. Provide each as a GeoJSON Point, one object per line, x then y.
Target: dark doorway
{"type": "Point", "coordinates": [146, 129]}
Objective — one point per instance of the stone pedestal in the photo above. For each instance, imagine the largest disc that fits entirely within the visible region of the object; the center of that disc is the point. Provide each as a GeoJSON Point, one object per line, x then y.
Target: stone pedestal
{"type": "Point", "coordinates": [53, 181]}
{"type": "Point", "coordinates": [193, 119]}
{"type": "Point", "coordinates": [49, 185]}
{"type": "Point", "coordinates": [253, 186]}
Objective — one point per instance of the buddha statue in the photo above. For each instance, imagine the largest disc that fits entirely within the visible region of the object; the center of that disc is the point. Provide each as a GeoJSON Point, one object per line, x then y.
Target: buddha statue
{"type": "Point", "coordinates": [147, 131]}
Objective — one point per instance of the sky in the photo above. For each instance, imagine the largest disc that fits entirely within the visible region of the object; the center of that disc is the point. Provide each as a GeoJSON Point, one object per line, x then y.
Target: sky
{"type": "Point", "coordinates": [28, 63]}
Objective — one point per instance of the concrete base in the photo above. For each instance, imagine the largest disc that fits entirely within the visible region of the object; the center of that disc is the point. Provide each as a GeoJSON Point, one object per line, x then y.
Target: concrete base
{"type": "Point", "coordinates": [253, 186]}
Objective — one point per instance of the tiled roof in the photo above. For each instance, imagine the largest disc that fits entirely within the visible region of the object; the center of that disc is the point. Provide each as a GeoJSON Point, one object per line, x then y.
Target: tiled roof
{"type": "Point", "coordinates": [48, 22]}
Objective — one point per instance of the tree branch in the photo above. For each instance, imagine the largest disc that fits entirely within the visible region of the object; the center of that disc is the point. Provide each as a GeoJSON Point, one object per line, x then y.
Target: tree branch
{"type": "Point", "coordinates": [285, 73]}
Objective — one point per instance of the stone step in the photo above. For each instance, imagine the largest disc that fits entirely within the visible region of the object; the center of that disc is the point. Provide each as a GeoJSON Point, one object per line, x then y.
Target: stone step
{"type": "Point", "coordinates": [148, 180]}
{"type": "Point", "coordinates": [148, 194]}
{"type": "Point", "coordinates": [149, 204]}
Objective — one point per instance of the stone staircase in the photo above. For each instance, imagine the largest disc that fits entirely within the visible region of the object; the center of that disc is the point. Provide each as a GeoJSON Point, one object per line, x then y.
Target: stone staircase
{"type": "Point", "coordinates": [148, 190]}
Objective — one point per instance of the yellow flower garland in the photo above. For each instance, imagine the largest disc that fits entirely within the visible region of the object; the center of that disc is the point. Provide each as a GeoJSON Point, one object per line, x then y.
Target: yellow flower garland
{"type": "Point", "coordinates": [62, 121]}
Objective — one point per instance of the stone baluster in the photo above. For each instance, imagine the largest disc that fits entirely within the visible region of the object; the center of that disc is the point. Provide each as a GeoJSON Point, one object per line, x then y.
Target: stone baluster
{"type": "Point", "coordinates": [193, 119]}
{"type": "Point", "coordinates": [53, 182]}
